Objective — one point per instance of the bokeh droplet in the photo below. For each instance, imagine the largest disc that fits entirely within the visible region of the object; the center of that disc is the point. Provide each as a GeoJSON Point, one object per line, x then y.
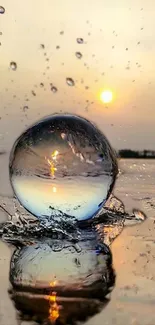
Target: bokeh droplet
{"type": "Point", "coordinates": [80, 40]}
{"type": "Point", "coordinates": [70, 82]}
{"type": "Point", "coordinates": [2, 10]}
{"type": "Point", "coordinates": [13, 65]}
{"type": "Point", "coordinates": [78, 55]}
{"type": "Point", "coordinates": [54, 89]}
{"type": "Point", "coordinates": [62, 166]}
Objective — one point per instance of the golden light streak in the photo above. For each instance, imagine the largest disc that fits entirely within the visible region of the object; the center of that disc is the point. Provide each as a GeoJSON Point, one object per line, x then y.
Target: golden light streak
{"type": "Point", "coordinates": [53, 283]}
{"type": "Point", "coordinates": [54, 308]}
{"type": "Point", "coordinates": [51, 163]}
{"type": "Point", "coordinates": [55, 153]}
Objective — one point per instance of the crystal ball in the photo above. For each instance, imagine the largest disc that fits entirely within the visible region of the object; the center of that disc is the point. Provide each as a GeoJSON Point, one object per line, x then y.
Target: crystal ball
{"type": "Point", "coordinates": [62, 165]}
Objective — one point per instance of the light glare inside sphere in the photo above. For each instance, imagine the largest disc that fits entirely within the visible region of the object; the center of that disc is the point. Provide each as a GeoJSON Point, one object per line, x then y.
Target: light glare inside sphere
{"type": "Point", "coordinates": [62, 164]}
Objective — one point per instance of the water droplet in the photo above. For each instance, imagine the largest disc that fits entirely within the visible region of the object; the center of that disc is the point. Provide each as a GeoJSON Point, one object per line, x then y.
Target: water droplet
{"type": "Point", "coordinates": [54, 89]}
{"type": "Point", "coordinates": [25, 108]}
{"type": "Point", "coordinates": [2, 10]}
{"type": "Point", "coordinates": [70, 82]}
{"type": "Point", "coordinates": [80, 40]}
{"type": "Point", "coordinates": [139, 215]}
{"type": "Point", "coordinates": [33, 93]}
{"type": "Point", "coordinates": [78, 55]}
{"type": "Point", "coordinates": [13, 65]}
{"type": "Point", "coordinates": [70, 155]}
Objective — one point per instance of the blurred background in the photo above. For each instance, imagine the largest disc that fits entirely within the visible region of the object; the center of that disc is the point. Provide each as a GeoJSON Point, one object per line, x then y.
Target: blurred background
{"type": "Point", "coordinates": [104, 48]}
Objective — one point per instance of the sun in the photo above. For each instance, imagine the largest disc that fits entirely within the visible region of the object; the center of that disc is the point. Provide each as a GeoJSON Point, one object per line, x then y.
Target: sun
{"type": "Point", "coordinates": [106, 96]}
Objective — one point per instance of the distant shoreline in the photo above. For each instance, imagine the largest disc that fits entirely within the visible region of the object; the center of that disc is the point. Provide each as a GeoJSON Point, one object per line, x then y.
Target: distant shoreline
{"type": "Point", "coordinates": [2, 152]}
{"type": "Point", "coordinates": [128, 153]}
{"type": "Point", "coordinates": [124, 153]}
{"type": "Point", "coordinates": [121, 157]}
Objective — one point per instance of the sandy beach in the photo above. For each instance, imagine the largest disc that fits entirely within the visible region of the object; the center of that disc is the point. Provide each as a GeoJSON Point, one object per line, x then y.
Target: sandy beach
{"type": "Point", "coordinates": [132, 300]}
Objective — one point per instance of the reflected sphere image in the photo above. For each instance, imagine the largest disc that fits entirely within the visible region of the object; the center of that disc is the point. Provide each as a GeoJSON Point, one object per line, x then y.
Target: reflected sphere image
{"type": "Point", "coordinates": [56, 283]}
{"type": "Point", "coordinates": [62, 165]}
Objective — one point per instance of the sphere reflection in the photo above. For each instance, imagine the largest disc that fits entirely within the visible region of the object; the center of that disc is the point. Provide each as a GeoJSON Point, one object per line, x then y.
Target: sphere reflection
{"type": "Point", "coordinates": [54, 280]}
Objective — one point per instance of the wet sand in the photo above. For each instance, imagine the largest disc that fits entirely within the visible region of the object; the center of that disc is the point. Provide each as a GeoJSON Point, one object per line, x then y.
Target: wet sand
{"type": "Point", "coordinates": [133, 299]}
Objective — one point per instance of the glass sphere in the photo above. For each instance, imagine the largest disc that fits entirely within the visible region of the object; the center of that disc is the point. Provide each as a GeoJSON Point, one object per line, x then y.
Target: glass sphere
{"type": "Point", "coordinates": [62, 165]}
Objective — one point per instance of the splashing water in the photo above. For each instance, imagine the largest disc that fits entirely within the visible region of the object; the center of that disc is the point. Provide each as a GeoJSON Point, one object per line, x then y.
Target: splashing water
{"type": "Point", "coordinates": [63, 166]}
{"type": "Point", "coordinates": [60, 272]}
{"type": "Point", "coordinates": [23, 228]}
{"type": "Point", "coordinates": [57, 271]}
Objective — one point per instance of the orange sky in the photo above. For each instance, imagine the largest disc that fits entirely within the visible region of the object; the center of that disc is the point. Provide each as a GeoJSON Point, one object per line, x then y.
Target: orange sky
{"type": "Point", "coordinates": [118, 53]}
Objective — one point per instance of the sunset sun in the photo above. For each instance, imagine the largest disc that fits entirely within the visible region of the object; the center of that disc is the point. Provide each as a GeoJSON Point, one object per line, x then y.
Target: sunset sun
{"type": "Point", "coordinates": [106, 96]}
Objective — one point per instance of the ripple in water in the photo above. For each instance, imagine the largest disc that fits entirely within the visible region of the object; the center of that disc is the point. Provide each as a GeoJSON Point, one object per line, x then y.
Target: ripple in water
{"type": "Point", "coordinates": [63, 165]}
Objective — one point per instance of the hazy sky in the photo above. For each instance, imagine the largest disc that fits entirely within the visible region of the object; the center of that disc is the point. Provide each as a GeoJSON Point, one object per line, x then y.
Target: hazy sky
{"type": "Point", "coordinates": [118, 53]}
